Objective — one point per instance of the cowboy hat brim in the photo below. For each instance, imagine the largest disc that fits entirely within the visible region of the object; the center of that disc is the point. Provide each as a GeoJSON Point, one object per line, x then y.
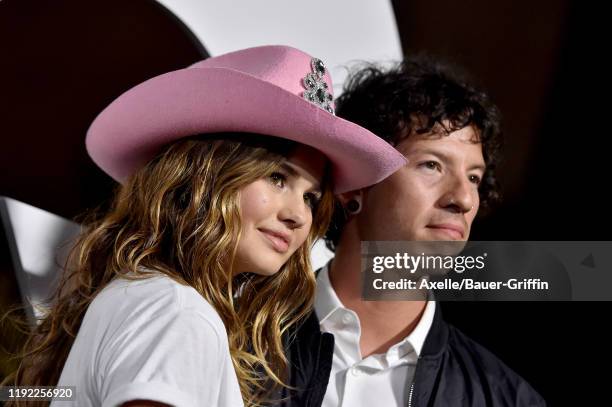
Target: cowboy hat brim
{"type": "Point", "coordinates": [134, 127]}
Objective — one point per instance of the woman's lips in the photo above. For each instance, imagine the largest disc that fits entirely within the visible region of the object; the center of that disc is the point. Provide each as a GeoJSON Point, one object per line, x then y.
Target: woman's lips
{"type": "Point", "coordinates": [278, 241]}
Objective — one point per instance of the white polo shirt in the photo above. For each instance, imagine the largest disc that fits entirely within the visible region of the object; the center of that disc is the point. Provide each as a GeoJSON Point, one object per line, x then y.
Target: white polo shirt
{"type": "Point", "coordinates": [151, 339]}
{"type": "Point", "coordinates": [377, 380]}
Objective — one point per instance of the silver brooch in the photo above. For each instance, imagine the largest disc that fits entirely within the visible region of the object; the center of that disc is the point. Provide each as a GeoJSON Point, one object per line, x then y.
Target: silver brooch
{"type": "Point", "coordinates": [316, 89]}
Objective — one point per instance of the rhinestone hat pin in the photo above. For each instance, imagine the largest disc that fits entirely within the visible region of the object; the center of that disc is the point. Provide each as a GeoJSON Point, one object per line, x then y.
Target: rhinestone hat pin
{"type": "Point", "coordinates": [316, 89]}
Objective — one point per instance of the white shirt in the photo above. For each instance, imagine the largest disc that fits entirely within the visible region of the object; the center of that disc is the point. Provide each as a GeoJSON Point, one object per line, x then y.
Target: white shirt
{"type": "Point", "coordinates": [151, 339]}
{"type": "Point", "coordinates": [377, 380]}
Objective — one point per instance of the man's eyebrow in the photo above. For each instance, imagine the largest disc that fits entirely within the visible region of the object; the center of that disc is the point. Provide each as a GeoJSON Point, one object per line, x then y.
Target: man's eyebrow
{"type": "Point", "coordinates": [445, 157]}
{"type": "Point", "coordinates": [481, 167]}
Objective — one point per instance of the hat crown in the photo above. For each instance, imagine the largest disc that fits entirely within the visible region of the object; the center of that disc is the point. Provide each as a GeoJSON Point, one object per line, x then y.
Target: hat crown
{"type": "Point", "coordinates": [283, 66]}
{"type": "Point", "coordinates": [277, 91]}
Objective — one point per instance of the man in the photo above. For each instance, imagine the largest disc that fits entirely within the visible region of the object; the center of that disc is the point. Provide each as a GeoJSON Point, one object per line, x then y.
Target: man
{"type": "Point", "coordinates": [352, 352]}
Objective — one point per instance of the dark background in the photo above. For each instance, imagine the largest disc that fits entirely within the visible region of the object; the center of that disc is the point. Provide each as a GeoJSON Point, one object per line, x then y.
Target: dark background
{"type": "Point", "coordinates": [542, 62]}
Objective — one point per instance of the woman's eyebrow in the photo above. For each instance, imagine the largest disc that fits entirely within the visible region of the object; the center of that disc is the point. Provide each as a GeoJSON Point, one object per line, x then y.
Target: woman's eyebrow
{"type": "Point", "coordinates": [285, 166]}
{"type": "Point", "coordinates": [293, 172]}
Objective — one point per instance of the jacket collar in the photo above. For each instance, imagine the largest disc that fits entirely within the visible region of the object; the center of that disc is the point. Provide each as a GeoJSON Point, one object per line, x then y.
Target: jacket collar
{"type": "Point", "coordinates": [437, 337]}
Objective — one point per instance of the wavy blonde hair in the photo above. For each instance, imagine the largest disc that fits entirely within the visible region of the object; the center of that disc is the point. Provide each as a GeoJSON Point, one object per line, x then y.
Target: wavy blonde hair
{"type": "Point", "coordinates": [179, 215]}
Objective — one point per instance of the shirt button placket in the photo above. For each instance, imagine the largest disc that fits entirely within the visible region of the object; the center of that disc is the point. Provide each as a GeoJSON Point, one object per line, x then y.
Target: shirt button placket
{"type": "Point", "coordinates": [351, 388]}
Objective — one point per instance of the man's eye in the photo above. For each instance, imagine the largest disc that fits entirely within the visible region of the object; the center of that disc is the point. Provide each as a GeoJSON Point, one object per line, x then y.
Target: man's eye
{"type": "Point", "coordinates": [278, 179]}
{"type": "Point", "coordinates": [432, 165]}
{"type": "Point", "coordinates": [475, 179]}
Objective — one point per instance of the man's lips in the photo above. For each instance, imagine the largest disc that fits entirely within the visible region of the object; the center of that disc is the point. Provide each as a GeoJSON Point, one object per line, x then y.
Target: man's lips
{"type": "Point", "coordinates": [457, 231]}
{"type": "Point", "coordinates": [280, 241]}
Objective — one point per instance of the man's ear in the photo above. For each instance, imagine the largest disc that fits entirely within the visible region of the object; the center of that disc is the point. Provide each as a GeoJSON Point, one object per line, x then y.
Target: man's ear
{"type": "Point", "coordinates": [352, 201]}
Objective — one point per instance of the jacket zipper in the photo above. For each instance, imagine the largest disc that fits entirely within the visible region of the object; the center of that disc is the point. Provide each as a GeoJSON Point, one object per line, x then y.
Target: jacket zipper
{"type": "Point", "coordinates": [410, 394]}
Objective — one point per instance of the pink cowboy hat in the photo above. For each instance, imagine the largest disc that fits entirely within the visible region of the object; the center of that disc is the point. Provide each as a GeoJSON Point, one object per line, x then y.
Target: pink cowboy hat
{"type": "Point", "coordinates": [270, 90]}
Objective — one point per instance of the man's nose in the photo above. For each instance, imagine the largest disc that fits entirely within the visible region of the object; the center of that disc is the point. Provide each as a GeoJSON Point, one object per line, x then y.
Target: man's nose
{"type": "Point", "coordinates": [458, 196]}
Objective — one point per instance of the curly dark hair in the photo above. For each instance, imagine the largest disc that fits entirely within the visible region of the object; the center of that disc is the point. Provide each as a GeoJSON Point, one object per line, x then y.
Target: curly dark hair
{"type": "Point", "coordinates": [417, 96]}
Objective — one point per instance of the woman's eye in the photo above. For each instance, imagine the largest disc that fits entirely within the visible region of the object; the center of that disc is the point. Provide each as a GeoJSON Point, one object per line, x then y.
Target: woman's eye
{"type": "Point", "coordinates": [475, 179]}
{"type": "Point", "coordinates": [312, 200]}
{"type": "Point", "coordinates": [278, 179]}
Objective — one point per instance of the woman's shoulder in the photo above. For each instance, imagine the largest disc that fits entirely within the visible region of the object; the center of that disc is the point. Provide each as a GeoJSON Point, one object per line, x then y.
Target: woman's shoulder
{"type": "Point", "coordinates": [153, 339]}
{"type": "Point", "coordinates": [152, 298]}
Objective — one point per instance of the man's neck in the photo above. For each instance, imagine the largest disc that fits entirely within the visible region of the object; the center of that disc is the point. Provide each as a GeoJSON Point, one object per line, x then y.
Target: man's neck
{"type": "Point", "coordinates": [383, 323]}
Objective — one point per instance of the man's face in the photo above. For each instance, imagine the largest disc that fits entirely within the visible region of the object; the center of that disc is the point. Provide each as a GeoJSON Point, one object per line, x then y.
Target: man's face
{"type": "Point", "coordinates": [433, 197]}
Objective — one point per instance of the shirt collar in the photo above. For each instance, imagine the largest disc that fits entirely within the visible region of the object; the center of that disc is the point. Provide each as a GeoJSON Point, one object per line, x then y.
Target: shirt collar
{"type": "Point", "coordinates": [417, 337]}
{"type": "Point", "coordinates": [327, 302]}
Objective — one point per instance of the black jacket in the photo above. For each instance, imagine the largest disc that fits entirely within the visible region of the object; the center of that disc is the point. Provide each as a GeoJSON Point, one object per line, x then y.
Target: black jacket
{"type": "Point", "coordinates": [452, 370]}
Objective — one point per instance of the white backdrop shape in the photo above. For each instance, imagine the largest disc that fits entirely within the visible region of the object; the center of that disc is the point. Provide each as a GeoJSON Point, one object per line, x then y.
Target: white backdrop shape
{"type": "Point", "coordinates": [339, 32]}
{"type": "Point", "coordinates": [39, 242]}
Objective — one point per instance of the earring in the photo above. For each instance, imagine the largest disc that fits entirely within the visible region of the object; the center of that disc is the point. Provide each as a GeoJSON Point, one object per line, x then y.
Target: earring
{"type": "Point", "coordinates": [353, 206]}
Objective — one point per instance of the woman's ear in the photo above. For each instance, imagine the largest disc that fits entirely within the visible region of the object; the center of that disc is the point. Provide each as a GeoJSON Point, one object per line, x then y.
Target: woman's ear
{"type": "Point", "coordinates": [352, 201]}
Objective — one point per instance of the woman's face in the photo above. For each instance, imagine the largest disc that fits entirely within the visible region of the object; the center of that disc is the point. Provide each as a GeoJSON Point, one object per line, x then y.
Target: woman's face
{"type": "Point", "coordinates": [277, 212]}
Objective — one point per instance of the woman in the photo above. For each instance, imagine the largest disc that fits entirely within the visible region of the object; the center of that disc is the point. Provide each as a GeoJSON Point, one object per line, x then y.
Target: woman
{"type": "Point", "coordinates": [180, 293]}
